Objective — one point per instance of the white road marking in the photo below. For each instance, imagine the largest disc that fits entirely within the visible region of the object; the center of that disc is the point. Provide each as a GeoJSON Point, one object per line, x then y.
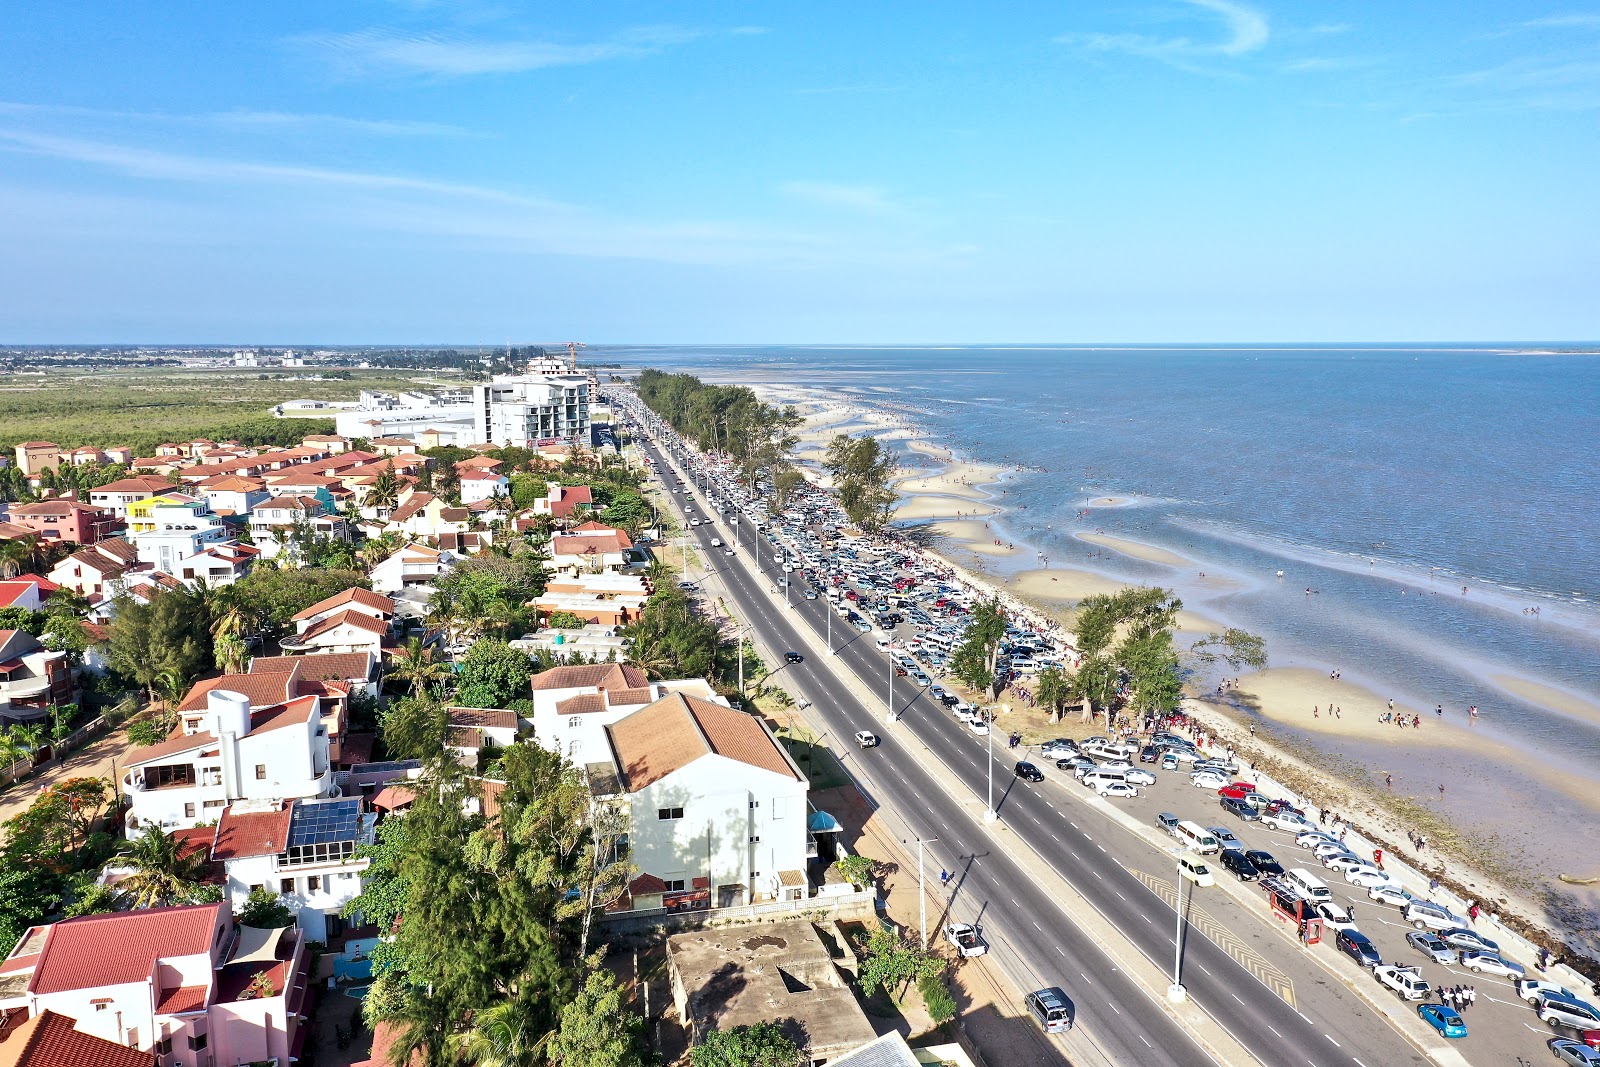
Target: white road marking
{"type": "Point", "coordinates": [1039, 928]}
{"type": "Point", "coordinates": [1335, 1043]}
{"type": "Point", "coordinates": [1146, 1041]}
{"type": "Point", "coordinates": [1203, 967]}
{"type": "Point", "coordinates": [1235, 996]}
{"type": "Point", "coordinates": [1114, 1007]}
{"type": "Point", "coordinates": [1060, 951]}
{"type": "Point", "coordinates": [1304, 1016]}
{"type": "Point", "coordinates": [1274, 1029]}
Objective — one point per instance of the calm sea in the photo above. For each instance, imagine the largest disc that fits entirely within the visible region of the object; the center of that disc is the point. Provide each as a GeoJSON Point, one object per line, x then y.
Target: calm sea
{"type": "Point", "coordinates": [1384, 479]}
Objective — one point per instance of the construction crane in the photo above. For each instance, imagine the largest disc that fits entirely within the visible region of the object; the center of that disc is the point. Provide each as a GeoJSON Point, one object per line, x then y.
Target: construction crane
{"type": "Point", "coordinates": [572, 354]}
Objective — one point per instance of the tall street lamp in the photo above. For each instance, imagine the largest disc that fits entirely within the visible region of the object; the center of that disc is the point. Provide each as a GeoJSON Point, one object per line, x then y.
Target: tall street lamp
{"type": "Point", "coordinates": [991, 815]}
{"type": "Point", "coordinates": [1176, 992]}
{"type": "Point", "coordinates": [922, 896]}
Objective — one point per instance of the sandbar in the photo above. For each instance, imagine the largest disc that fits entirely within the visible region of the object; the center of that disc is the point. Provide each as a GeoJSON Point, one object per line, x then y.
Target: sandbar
{"type": "Point", "coordinates": [960, 479]}
{"type": "Point", "coordinates": [973, 536]}
{"type": "Point", "coordinates": [940, 507]}
{"type": "Point", "coordinates": [1063, 584]}
{"type": "Point", "coordinates": [1287, 695]}
{"type": "Point", "coordinates": [1548, 697]}
{"type": "Point", "coordinates": [1148, 553]}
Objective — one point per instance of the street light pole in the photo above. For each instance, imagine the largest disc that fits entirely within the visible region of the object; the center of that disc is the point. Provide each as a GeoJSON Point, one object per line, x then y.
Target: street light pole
{"type": "Point", "coordinates": [991, 815]}
{"type": "Point", "coordinates": [888, 700]}
{"type": "Point", "coordinates": [922, 896]}
{"type": "Point", "coordinates": [1175, 992]}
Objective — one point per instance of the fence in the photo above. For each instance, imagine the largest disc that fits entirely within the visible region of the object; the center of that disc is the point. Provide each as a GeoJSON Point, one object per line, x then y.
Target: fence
{"type": "Point", "coordinates": [857, 905]}
{"type": "Point", "coordinates": [59, 750]}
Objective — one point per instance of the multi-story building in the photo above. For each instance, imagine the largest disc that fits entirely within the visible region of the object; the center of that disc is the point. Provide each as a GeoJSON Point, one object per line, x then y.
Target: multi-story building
{"type": "Point", "coordinates": [52, 1040]}
{"type": "Point", "coordinates": [36, 457]}
{"type": "Point", "coordinates": [305, 851]}
{"type": "Point", "coordinates": [228, 753]}
{"type": "Point", "coordinates": [414, 566]}
{"type": "Point", "coordinates": [98, 571]}
{"type": "Point", "coordinates": [356, 620]}
{"type": "Point", "coordinates": [573, 705]}
{"type": "Point", "coordinates": [590, 549]}
{"type": "Point", "coordinates": [173, 528]}
{"type": "Point", "coordinates": [65, 521]}
{"type": "Point", "coordinates": [526, 409]}
{"type": "Point", "coordinates": [717, 812]}
{"type": "Point", "coordinates": [184, 983]}
{"type": "Point", "coordinates": [272, 523]}
{"type": "Point", "coordinates": [32, 677]}
{"type": "Point", "coordinates": [116, 496]}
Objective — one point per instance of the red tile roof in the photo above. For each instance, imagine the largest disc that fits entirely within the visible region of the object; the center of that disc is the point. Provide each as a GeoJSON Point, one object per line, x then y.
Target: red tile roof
{"type": "Point", "coordinates": [121, 947]}
{"type": "Point", "coordinates": [264, 690]}
{"type": "Point", "coordinates": [600, 675]}
{"type": "Point", "coordinates": [492, 718]}
{"type": "Point", "coordinates": [181, 999]}
{"type": "Point", "coordinates": [324, 666]}
{"type": "Point", "coordinates": [359, 620]}
{"type": "Point", "coordinates": [252, 833]}
{"type": "Point", "coordinates": [581, 704]}
{"type": "Point", "coordinates": [172, 746]}
{"type": "Point", "coordinates": [354, 595]}
{"type": "Point", "coordinates": [677, 730]}
{"type": "Point", "coordinates": [51, 1040]}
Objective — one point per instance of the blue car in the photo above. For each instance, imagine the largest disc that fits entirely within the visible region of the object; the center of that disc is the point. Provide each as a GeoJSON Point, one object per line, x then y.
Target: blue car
{"type": "Point", "coordinates": [1442, 1019]}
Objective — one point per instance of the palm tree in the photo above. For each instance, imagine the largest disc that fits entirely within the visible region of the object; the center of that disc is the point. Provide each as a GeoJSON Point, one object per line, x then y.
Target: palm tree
{"type": "Point", "coordinates": [385, 492]}
{"type": "Point", "coordinates": [170, 685]}
{"type": "Point", "coordinates": [230, 652]}
{"type": "Point", "coordinates": [14, 555]}
{"type": "Point", "coordinates": [500, 1037]}
{"type": "Point", "coordinates": [163, 875]}
{"type": "Point", "coordinates": [416, 665]}
{"type": "Point", "coordinates": [29, 737]}
{"type": "Point", "coordinates": [11, 751]}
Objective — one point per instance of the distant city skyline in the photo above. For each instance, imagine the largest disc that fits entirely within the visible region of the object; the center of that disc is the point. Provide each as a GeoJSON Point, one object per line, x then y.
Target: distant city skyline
{"type": "Point", "coordinates": [1144, 171]}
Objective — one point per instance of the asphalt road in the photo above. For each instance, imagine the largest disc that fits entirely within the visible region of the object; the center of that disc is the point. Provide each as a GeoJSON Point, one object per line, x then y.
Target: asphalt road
{"type": "Point", "coordinates": [1328, 1028]}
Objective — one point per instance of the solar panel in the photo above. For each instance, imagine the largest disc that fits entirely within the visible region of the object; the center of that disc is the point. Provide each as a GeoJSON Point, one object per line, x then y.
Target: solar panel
{"type": "Point", "coordinates": [316, 824]}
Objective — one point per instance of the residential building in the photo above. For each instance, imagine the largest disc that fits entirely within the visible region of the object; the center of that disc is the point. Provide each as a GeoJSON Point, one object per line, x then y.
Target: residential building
{"type": "Point", "coordinates": [393, 446]}
{"type": "Point", "coordinates": [524, 410]}
{"type": "Point", "coordinates": [572, 710]}
{"type": "Point", "coordinates": [36, 457]}
{"type": "Point", "coordinates": [273, 522]}
{"type": "Point", "coordinates": [66, 521]}
{"type": "Point", "coordinates": [716, 807]}
{"type": "Point", "coordinates": [415, 566]}
{"type": "Point", "coordinates": [478, 485]}
{"type": "Point", "coordinates": [779, 973]}
{"type": "Point", "coordinates": [219, 564]}
{"type": "Point", "coordinates": [303, 850]}
{"type": "Point", "coordinates": [32, 677]}
{"type": "Point", "coordinates": [185, 983]}
{"type": "Point", "coordinates": [116, 496]}
{"type": "Point", "coordinates": [598, 644]}
{"type": "Point", "coordinates": [564, 501]}
{"type": "Point", "coordinates": [474, 729]}
{"type": "Point", "coordinates": [605, 599]}
{"type": "Point", "coordinates": [424, 515]}
{"type": "Point", "coordinates": [97, 571]}
{"type": "Point", "coordinates": [172, 529]}
{"type": "Point", "coordinates": [356, 620]}
{"type": "Point", "coordinates": [53, 1040]}
{"type": "Point", "coordinates": [233, 496]}
{"type": "Point", "coordinates": [225, 752]}
{"type": "Point", "coordinates": [21, 593]}
{"type": "Point", "coordinates": [591, 548]}
{"type": "Point", "coordinates": [332, 676]}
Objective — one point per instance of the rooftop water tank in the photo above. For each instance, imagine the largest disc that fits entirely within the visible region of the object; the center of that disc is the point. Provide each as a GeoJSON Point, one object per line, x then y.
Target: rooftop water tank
{"type": "Point", "coordinates": [228, 712]}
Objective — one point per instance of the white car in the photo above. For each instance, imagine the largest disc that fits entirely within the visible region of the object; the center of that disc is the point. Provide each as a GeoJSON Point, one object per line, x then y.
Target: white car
{"type": "Point", "coordinates": [1208, 780]}
{"type": "Point", "coordinates": [1492, 963]}
{"type": "Point", "coordinates": [978, 726]}
{"type": "Point", "coordinates": [967, 939]}
{"type": "Point", "coordinates": [716, 542]}
{"type": "Point", "coordinates": [1116, 765]}
{"type": "Point", "coordinates": [1285, 820]}
{"type": "Point", "coordinates": [1334, 917]}
{"type": "Point", "coordinates": [729, 551]}
{"type": "Point", "coordinates": [866, 739]}
{"type": "Point", "coordinates": [1324, 849]}
{"type": "Point", "coordinates": [1389, 893]}
{"type": "Point", "coordinates": [1345, 862]}
{"type": "Point", "coordinates": [1114, 789]}
{"type": "Point", "coordinates": [1367, 877]}
{"type": "Point", "coordinates": [1311, 837]}
{"type": "Point", "coordinates": [1138, 776]}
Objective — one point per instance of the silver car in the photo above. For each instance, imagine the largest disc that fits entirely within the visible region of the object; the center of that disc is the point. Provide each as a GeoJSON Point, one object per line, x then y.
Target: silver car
{"type": "Point", "coordinates": [1431, 946]}
{"type": "Point", "coordinates": [1492, 963]}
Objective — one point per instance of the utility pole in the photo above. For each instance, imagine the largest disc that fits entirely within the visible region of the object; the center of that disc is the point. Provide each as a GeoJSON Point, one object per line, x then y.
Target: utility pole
{"type": "Point", "coordinates": [991, 815]}
{"type": "Point", "coordinates": [922, 897]}
{"type": "Point", "coordinates": [1176, 992]}
{"type": "Point", "coordinates": [888, 700]}
{"type": "Point", "coordinates": [741, 660]}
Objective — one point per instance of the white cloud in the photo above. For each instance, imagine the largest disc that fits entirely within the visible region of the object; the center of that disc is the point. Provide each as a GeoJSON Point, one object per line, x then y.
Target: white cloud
{"type": "Point", "coordinates": [1246, 31]}
{"type": "Point", "coordinates": [1561, 22]}
{"type": "Point", "coordinates": [244, 119]}
{"type": "Point", "coordinates": [447, 55]}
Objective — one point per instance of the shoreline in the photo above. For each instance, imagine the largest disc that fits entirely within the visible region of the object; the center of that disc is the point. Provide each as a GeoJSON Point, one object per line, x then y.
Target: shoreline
{"type": "Point", "coordinates": [1046, 595]}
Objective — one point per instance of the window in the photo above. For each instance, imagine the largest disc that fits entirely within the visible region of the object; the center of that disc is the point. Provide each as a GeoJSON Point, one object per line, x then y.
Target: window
{"type": "Point", "coordinates": [313, 883]}
{"type": "Point", "coordinates": [210, 804]}
{"type": "Point", "coordinates": [162, 1047]}
{"type": "Point", "coordinates": [101, 1004]}
{"type": "Point", "coordinates": [674, 885]}
{"type": "Point", "coordinates": [261, 772]}
{"type": "Point", "coordinates": [664, 814]}
{"type": "Point", "coordinates": [256, 887]}
{"type": "Point", "coordinates": [755, 839]}
{"type": "Point", "coordinates": [573, 722]}
{"type": "Point", "coordinates": [197, 1041]}
{"type": "Point", "coordinates": [286, 885]}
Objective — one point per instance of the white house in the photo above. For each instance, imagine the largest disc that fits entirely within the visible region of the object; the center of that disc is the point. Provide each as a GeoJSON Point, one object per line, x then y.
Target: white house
{"type": "Point", "coordinates": [177, 529]}
{"type": "Point", "coordinates": [232, 494]}
{"type": "Point", "coordinates": [356, 620]}
{"type": "Point", "coordinates": [97, 571]}
{"type": "Point", "coordinates": [590, 548]}
{"type": "Point", "coordinates": [717, 808]}
{"type": "Point", "coordinates": [273, 521]}
{"type": "Point", "coordinates": [188, 779]}
{"type": "Point", "coordinates": [573, 705]}
{"type": "Point", "coordinates": [474, 729]}
{"type": "Point", "coordinates": [479, 485]}
{"type": "Point", "coordinates": [593, 642]}
{"type": "Point", "coordinates": [302, 850]}
{"type": "Point", "coordinates": [116, 496]}
{"type": "Point", "coordinates": [412, 566]}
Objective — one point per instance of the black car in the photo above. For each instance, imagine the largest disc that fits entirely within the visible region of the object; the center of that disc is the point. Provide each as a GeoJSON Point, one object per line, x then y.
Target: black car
{"type": "Point", "coordinates": [1028, 772]}
{"type": "Point", "coordinates": [1239, 864]}
{"type": "Point", "coordinates": [1354, 943]}
{"type": "Point", "coordinates": [793, 657]}
{"type": "Point", "coordinates": [1149, 754]}
{"type": "Point", "coordinates": [1263, 861]}
{"type": "Point", "coordinates": [949, 700]}
{"type": "Point", "coordinates": [1242, 808]}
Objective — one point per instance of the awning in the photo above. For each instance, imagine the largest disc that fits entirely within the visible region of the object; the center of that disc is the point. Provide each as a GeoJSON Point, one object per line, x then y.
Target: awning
{"type": "Point", "coordinates": [823, 823]}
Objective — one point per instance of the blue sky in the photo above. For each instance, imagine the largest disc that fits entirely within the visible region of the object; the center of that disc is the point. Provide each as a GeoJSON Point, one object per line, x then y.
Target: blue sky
{"type": "Point", "coordinates": [1140, 170]}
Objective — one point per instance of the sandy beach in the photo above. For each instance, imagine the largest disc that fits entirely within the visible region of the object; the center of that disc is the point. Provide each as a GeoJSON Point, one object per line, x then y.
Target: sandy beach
{"type": "Point", "coordinates": [1148, 553]}
{"type": "Point", "coordinates": [966, 480]}
{"type": "Point", "coordinates": [1549, 696]}
{"type": "Point", "coordinates": [973, 537]}
{"type": "Point", "coordinates": [1288, 695]}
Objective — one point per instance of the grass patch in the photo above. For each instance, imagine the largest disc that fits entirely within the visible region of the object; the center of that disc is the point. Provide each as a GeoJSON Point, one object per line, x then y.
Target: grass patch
{"type": "Point", "coordinates": [815, 759]}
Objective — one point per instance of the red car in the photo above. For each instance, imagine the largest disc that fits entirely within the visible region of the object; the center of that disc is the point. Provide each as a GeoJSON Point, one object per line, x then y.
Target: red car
{"type": "Point", "coordinates": [1236, 790]}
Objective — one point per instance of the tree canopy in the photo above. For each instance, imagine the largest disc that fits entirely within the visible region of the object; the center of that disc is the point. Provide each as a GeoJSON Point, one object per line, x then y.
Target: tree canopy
{"type": "Point", "coordinates": [861, 470]}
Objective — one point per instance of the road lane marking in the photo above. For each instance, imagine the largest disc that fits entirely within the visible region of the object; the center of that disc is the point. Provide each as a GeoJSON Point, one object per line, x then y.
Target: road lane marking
{"type": "Point", "coordinates": [1274, 1029]}
{"type": "Point", "coordinates": [1303, 1015]}
{"type": "Point", "coordinates": [1235, 996]}
{"type": "Point", "coordinates": [1335, 1043]}
{"type": "Point", "coordinates": [1146, 1041]}
{"type": "Point", "coordinates": [1114, 1007]}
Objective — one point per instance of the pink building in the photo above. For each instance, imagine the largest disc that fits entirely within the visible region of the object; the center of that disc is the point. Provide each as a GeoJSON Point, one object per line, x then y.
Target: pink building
{"type": "Point", "coordinates": [68, 521]}
{"type": "Point", "coordinates": [184, 983]}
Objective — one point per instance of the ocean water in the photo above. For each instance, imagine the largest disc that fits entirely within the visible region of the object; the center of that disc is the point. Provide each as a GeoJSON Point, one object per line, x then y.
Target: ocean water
{"type": "Point", "coordinates": [1385, 480]}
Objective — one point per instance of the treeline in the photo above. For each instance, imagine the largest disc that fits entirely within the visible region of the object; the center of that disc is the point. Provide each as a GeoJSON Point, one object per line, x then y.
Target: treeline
{"type": "Point", "coordinates": [729, 418]}
{"type": "Point", "coordinates": [260, 431]}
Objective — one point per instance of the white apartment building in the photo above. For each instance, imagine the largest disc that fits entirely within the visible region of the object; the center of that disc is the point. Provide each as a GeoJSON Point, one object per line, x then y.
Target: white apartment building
{"type": "Point", "coordinates": [717, 808]}
{"type": "Point", "coordinates": [302, 850]}
{"type": "Point", "coordinates": [408, 415]}
{"type": "Point", "coordinates": [226, 755]}
{"type": "Point", "coordinates": [526, 409]}
{"type": "Point", "coordinates": [176, 530]}
{"type": "Point", "coordinates": [414, 566]}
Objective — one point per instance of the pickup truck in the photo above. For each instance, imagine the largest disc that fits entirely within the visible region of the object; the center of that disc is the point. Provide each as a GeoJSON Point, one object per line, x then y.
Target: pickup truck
{"type": "Point", "coordinates": [967, 939]}
{"type": "Point", "coordinates": [1405, 981]}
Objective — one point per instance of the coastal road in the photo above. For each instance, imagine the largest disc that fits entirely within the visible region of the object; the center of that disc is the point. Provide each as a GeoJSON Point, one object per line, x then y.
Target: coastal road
{"type": "Point", "coordinates": [1325, 1027]}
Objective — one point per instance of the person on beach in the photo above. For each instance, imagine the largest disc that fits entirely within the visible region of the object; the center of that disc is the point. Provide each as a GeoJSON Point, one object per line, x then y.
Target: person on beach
{"type": "Point", "coordinates": [1388, 779]}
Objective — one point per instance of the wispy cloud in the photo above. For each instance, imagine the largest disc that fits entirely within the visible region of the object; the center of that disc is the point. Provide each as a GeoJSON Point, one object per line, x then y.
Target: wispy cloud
{"type": "Point", "coordinates": [451, 56]}
{"type": "Point", "coordinates": [484, 215]}
{"type": "Point", "coordinates": [866, 199]}
{"type": "Point", "coordinates": [243, 119]}
{"type": "Point", "coordinates": [1327, 64]}
{"type": "Point", "coordinates": [1563, 22]}
{"type": "Point", "coordinates": [1244, 28]}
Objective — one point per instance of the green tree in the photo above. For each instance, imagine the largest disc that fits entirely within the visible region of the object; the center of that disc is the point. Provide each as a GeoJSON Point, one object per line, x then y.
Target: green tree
{"type": "Point", "coordinates": [861, 471]}
{"type": "Point", "coordinates": [492, 674]}
{"type": "Point", "coordinates": [597, 1028]}
{"type": "Point", "coordinates": [145, 732]}
{"type": "Point", "coordinates": [277, 596]}
{"type": "Point", "coordinates": [264, 910]}
{"type": "Point", "coordinates": [1095, 683]}
{"type": "Point", "coordinates": [858, 870]}
{"type": "Point", "coordinates": [628, 511]}
{"type": "Point", "coordinates": [231, 654]}
{"type": "Point", "coordinates": [162, 874]}
{"type": "Point", "coordinates": [891, 963]}
{"type": "Point", "coordinates": [757, 1045]}
{"type": "Point", "coordinates": [500, 1037]}
{"type": "Point", "coordinates": [168, 636]}
{"type": "Point", "coordinates": [564, 620]}
{"type": "Point", "coordinates": [413, 728]}
{"type": "Point", "coordinates": [26, 619]}
{"type": "Point", "coordinates": [937, 999]}
{"type": "Point", "coordinates": [1237, 648]}
{"type": "Point", "coordinates": [974, 659]}
{"type": "Point", "coordinates": [27, 896]}
{"type": "Point", "coordinates": [669, 640]}
{"type": "Point", "coordinates": [1053, 690]}
{"type": "Point", "coordinates": [419, 668]}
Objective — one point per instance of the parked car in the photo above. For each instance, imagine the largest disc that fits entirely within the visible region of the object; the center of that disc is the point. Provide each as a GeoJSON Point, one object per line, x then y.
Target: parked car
{"type": "Point", "coordinates": [1239, 864]}
{"type": "Point", "coordinates": [1028, 772]}
{"type": "Point", "coordinates": [1225, 838]}
{"type": "Point", "coordinates": [1443, 1019]}
{"type": "Point", "coordinates": [1307, 838]}
{"type": "Point", "coordinates": [1431, 946]}
{"type": "Point", "coordinates": [1240, 807]}
{"type": "Point", "coordinates": [1334, 916]}
{"type": "Point", "coordinates": [1390, 893]}
{"type": "Point", "coordinates": [1284, 820]}
{"type": "Point", "coordinates": [1139, 776]}
{"type": "Point", "coordinates": [1264, 861]}
{"type": "Point", "coordinates": [1467, 940]}
{"type": "Point", "coordinates": [1208, 780]}
{"type": "Point", "coordinates": [1236, 790]}
{"type": "Point", "coordinates": [978, 726]}
{"type": "Point", "coordinates": [1405, 981]}
{"type": "Point", "coordinates": [967, 939]}
{"type": "Point", "coordinates": [1149, 754]}
{"type": "Point", "coordinates": [1168, 822]}
{"type": "Point", "coordinates": [1575, 1053]}
{"type": "Point", "coordinates": [1491, 963]}
{"type": "Point", "coordinates": [1355, 944]}
{"type": "Point", "coordinates": [1530, 989]}
{"type": "Point", "coordinates": [1115, 789]}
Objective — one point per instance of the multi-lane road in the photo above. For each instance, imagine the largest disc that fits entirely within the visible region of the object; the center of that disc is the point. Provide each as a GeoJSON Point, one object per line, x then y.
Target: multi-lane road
{"type": "Point", "coordinates": [1326, 1026]}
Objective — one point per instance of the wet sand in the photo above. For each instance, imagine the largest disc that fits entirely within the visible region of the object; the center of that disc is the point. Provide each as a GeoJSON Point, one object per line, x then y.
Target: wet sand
{"type": "Point", "coordinates": [940, 507]}
{"type": "Point", "coordinates": [1148, 553]}
{"type": "Point", "coordinates": [1549, 697]}
{"type": "Point", "coordinates": [1287, 695]}
{"type": "Point", "coordinates": [960, 479]}
{"type": "Point", "coordinates": [1062, 584]}
{"type": "Point", "coordinates": [972, 536]}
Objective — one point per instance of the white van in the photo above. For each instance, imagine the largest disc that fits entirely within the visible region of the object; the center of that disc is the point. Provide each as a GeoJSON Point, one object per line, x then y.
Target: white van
{"type": "Point", "coordinates": [1196, 871]}
{"type": "Point", "coordinates": [1308, 886]}
{"type": "Point", "coordinates": [1197, 838]}
{"type": "Point", "coordinates": [1567, 1011]}
{"type": "Point", "coordinates": [1104, 775]}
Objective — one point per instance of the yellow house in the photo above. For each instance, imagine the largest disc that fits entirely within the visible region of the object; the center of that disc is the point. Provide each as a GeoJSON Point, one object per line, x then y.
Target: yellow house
{"type": "Point", "coordinates": [141, 513]}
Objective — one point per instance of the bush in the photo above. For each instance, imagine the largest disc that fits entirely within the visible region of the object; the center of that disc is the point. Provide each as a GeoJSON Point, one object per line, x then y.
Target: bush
{"type": "Point", "coordinates": [264, 910]}
{"type": "Point", "coordinates": [937, 999]}
{"type": "Point", "coordinates": [857, 870]}
{"type": "Point", "coordinates": [144, 732]}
